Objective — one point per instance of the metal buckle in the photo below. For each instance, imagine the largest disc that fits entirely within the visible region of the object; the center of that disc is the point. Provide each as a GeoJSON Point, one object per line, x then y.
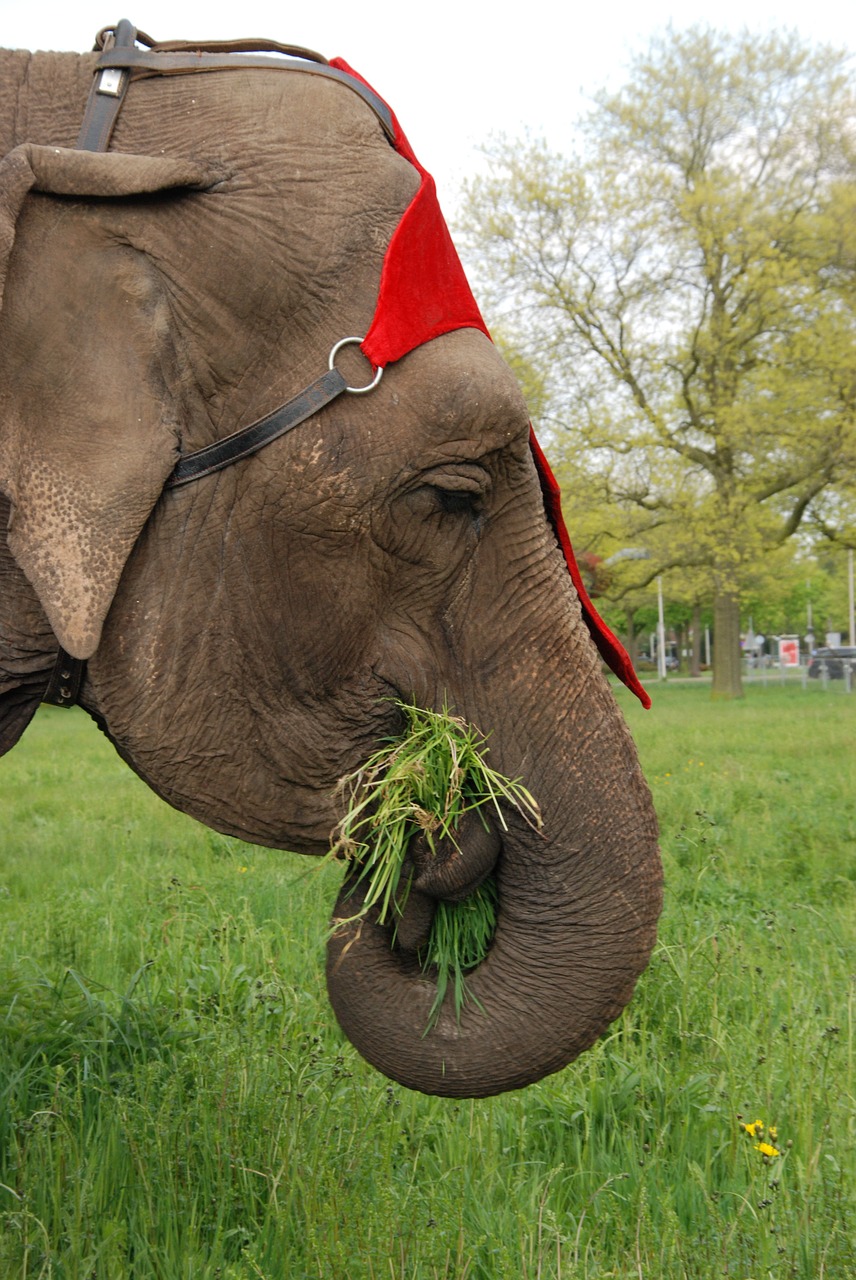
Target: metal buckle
{"type": "Point", "coordinates": [110, 81]}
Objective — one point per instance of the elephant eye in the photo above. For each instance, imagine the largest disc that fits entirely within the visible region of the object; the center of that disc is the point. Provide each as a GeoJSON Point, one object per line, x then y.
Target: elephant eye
{"type": "Point", "coordinates": [459, 489]}
{"type": "Point", "coordinates": [458, 502]}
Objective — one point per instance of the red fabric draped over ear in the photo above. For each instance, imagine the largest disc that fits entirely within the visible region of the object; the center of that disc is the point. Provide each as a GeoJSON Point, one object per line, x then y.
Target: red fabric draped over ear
{"type": "Point", "coordinates": [424, 293]}
{"type": "Point", "coordinates": [610, 649]}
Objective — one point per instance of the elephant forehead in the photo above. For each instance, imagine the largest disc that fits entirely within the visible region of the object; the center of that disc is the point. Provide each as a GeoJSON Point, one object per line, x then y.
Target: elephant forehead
{"type": "Point", "coordinates": [299, 155]}
{"type": "Point", "coordinates": [456, 390]}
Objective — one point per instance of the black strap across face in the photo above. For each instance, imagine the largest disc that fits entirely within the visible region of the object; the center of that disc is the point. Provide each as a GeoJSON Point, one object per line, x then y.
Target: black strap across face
{"type": "Point", "coordinates": [120, 59]}
{"type": "Point", "coordinates": [248, 440]}
{"type": "Point", "coordinates": [222, 453]}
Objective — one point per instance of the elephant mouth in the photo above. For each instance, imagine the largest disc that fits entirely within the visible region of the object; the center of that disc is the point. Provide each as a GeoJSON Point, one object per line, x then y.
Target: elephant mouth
{"type": "Point", "coordinates": [450, 872]}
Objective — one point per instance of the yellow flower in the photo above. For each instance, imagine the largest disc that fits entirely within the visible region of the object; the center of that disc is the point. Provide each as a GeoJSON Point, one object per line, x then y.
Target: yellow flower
{"type": "Point", "coordinates": [754, 1129]}
{"type": "Point", "coordinates": [766, 1149]}
{"type": "Point", "coordinates": [773, 1132]}
{"type": "Point", "coordinates": [243, 869]}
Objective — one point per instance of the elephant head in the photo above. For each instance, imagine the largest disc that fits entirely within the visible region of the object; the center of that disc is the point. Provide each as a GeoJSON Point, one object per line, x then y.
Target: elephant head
{"type": "Point", "coordinates": [247, 635]}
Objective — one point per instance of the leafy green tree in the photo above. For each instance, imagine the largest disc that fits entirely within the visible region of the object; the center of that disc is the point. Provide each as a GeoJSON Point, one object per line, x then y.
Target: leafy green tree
{"type": "Point", "coordinates": [684, 284]}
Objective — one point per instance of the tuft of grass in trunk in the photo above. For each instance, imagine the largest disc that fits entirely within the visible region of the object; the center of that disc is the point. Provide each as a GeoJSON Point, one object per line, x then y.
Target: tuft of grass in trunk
{"type": "Point", "coordinates": [461, 934]}
{"type": "Point", "coordinates": [422, 783]}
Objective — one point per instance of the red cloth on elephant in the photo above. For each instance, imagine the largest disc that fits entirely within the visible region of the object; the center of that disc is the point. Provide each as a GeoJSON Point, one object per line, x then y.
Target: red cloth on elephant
{"type": "Point", "coordinates": [424, 293]}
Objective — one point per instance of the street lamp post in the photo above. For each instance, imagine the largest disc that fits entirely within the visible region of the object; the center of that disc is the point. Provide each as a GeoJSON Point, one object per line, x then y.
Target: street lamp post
{"type": "Point", "coordinates": [661, 632]}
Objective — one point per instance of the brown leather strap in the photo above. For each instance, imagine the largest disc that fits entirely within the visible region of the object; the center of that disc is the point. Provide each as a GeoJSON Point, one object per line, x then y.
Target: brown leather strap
{"type": "Point", "coordinates": [105, 97]}
{"type": "Point", "coordinates": [247, 45]}
{"type": "Point", "coordinates": [106, 38]}
{"type": "Point", "coordinates": [122, 58]}
{"type": "Point", "coordinates": [159, 61]}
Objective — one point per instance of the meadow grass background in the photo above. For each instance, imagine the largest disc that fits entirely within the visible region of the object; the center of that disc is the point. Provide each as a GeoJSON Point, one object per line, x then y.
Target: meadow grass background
{"type": "Point", "coordinates": [176, 1100]}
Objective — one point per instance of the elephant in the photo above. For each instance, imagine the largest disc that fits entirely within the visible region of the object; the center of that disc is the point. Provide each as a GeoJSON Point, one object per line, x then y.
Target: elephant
{"type": "Point", "coordinates": [245, 639]}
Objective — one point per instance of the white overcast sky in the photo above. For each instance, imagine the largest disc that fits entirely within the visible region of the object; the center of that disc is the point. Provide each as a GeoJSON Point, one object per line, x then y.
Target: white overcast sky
{"type": "Point", "coordinates": [454, 71]}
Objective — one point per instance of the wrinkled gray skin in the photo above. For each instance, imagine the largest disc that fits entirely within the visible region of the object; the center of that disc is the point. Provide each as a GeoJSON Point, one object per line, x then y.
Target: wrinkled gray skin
{"type": "Point", "coordinates": [245, 634]}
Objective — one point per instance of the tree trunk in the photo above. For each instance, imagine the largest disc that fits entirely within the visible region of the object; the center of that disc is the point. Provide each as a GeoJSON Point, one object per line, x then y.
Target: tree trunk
{"type": "Point", "coordinates": [727, 675]}
{"type": "Point", "coordinates": [681, 644]}
{"type": "Point", "coordinates": [695, 660]}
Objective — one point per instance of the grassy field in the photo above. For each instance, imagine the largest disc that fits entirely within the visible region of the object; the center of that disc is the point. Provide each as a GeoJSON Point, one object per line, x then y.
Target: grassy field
{"type": "Point", "coordinates": [176, 1101]}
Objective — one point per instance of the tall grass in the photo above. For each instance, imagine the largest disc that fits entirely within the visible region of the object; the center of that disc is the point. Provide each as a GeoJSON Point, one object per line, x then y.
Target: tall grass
{"type": "Point", "coordinates": [176, 1101]}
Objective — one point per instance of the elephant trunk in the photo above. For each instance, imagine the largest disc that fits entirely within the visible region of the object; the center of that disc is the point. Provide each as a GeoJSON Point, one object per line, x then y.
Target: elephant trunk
{"type": "Point", "coordinates": [576, 924]}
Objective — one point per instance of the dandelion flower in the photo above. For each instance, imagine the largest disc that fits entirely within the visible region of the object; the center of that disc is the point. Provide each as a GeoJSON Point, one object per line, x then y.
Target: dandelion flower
{"type": "Point", "coordinates": [755, 1129]}
{"type": "Point", "coordinates": [766, 1149]}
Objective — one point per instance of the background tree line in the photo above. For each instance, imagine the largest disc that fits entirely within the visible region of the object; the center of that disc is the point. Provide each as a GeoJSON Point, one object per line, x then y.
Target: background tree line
{"type": "Point", "coordinates": [678, 297]}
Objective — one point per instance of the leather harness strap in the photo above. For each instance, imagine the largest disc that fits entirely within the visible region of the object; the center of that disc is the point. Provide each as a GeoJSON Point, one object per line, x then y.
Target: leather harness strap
{"type": "Point", "coordinates": [105, 97]}
{"type": "Point", "coordinates": [254, 437]}
{"type": "Point", "coordinates": [119, 63]}
{"type": "Point", "coordinates": [66, 678]}
{"type": "Point", "coordinates": [180, 57]}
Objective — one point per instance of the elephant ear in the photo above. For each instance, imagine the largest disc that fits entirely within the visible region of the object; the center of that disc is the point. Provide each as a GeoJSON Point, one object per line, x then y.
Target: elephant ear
{"type": "Point", "coordinates": [88, 427]}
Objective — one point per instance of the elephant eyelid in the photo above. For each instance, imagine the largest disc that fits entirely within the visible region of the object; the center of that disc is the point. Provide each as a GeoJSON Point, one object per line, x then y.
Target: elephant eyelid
{"type": "Point", "coordinates": [463, 480]}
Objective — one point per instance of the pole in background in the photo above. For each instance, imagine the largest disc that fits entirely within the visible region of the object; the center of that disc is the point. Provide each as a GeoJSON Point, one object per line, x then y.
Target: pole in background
{"type": "Point", "coordinates": [850, 592]}
{"type": "Point", "coordinates": [661, 632]}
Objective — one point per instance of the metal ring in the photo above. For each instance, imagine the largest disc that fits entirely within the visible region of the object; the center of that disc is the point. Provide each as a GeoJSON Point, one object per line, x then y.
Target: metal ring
{"type": "Point", "coordinates": [331, 364]}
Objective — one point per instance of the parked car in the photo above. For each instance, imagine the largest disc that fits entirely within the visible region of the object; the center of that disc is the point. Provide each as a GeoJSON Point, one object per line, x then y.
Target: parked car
{"type": "Point", "coordinates": [834, 659]}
